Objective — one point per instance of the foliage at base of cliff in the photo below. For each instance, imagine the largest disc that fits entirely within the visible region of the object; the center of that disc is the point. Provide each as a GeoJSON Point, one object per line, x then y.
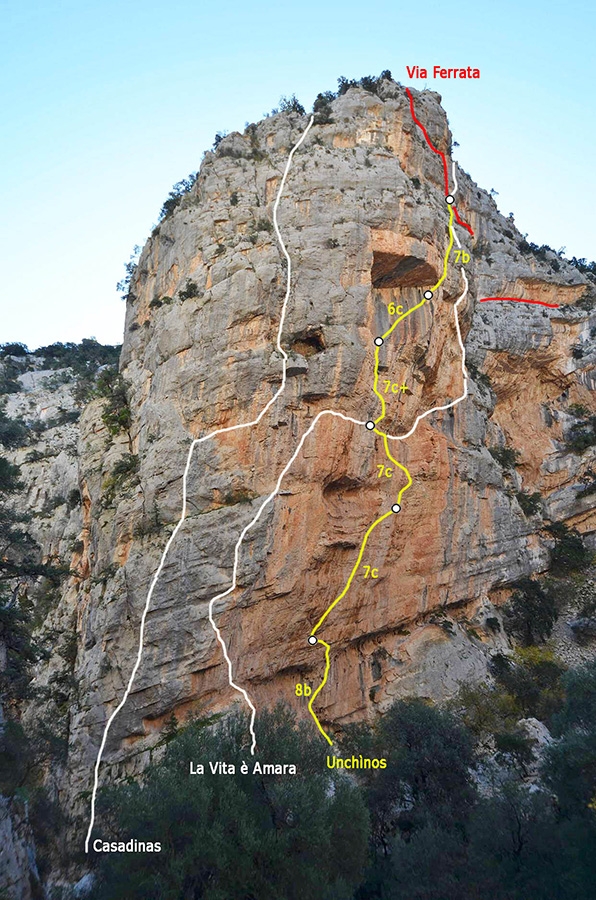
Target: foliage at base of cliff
{"type": "Point", "coordinates": [459, 813]}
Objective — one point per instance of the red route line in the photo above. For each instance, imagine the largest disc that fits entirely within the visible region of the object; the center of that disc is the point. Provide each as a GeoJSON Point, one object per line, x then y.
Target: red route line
{"type": "Point", "coordinates": [442, 155]}
{"type": "Point", "coordinates": [521, 300]}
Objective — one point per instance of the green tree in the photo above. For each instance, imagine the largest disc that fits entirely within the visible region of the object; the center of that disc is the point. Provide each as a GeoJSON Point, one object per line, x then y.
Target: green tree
{"type": "Point", "coordinates": [13, 432]}
{"type": "Point", "coordinates": [428, 775]}
{"type": "Point", "coordinates": [241, 836]}
{"type": "Point", "coordinates": [116, 416]}
{"type": "Point", "coordinates": [531, 612]}
{"type": "Point", "coordinates": [570, 766]}
{"type": "Point", "coordinates": [533, 678]}
{"type": "Point", "coordinates": [569, 553]}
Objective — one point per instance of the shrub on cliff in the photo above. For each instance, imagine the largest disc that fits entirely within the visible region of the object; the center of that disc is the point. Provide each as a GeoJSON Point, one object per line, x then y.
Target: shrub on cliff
{"type": "Point", "coordinates": [13, 432]}
{"type": "Point", "coordinates": [116, 416]}
{"type": "Point", "coordinates": [530, 503]}
{"type": "Point", "coordinates": [179, 190]}
{"type": "Point", "coordinates": [83, 358]}
{"type": "Point", "coordinates": [189, 291]}
{"type": "Point", "coordinates": [124, 286]}
{"type": "Point", "coordinates": [582, 435]}
{"type": "Point", "coordinates": [531, 612]}
{"type": "Point", "coordinates": [507, 457]}
{"type": "Point", "coordinates": [123, 472]}
{"type": "Point", "coordinates": [322, 108]}
{"type": "Point", "coordinates": [569, 554]}
{"type": "Point", "coordinates": [291, 104]}
{"type": "Point", "coordinates": [9, 375]}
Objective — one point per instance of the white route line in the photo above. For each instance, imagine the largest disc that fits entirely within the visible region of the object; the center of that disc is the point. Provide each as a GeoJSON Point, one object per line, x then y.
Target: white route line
{"type": "Point", "coordinates": [455, 184]}
{"type": "Point", "coordinates": [251, 524]}
{"type": "Point", "coordinates": [270, 497]}
{"type": "Point", "coordinates": [194, 443]}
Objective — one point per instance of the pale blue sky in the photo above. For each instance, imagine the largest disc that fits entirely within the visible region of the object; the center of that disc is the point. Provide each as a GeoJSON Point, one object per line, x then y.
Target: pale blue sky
{"type": "Point", "coordinates": [106, 104]}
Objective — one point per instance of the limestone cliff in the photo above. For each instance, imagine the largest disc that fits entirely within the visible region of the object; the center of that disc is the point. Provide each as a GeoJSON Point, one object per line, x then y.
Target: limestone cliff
{"type": "Point", "coordinates": [364, 220]}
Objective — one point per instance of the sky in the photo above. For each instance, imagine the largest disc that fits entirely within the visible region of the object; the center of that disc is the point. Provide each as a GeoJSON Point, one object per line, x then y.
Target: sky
{"type": "Point", "coordinates": [106, 104]}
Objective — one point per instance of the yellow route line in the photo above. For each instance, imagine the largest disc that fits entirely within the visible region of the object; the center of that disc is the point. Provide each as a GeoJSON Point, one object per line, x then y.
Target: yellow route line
{"type": "Point", "coordinates": [399, 496]}
{"type": "Point", "coordinates": [319, 689]}
{"type": "Point", "coordinates": [354, 570]}
{"type": "Point", "coordinates": [409, 313]}
{"type": "Point", "coordinates": [376, 385]}
{"type": "Point", "coordinates": [398, 464]}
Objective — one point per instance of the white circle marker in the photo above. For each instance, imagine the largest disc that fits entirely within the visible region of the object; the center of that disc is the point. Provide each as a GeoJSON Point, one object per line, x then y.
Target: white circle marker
{"type": "Point", "coordinates": [396, 508]}
{"type": "Point", "coordinates": [450, 199]}
{"type": "Point", "coordinates": [379, 341]}
{"type": "Point", "coordinates": [312, 639]}
{"type": "Point", "coordinates": [369, 425]}
{"type": "Point", "coordinates": [428, 295]}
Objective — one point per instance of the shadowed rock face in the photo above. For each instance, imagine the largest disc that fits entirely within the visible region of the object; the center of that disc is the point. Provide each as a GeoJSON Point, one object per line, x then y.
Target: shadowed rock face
{"type": "Point", "coordinates": [364, 219]}
{"type": "Point", "coordinates": [389, 270]}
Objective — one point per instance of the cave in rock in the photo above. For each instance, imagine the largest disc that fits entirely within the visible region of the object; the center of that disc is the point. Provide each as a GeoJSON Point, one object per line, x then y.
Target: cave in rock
{"type": "Point", "coordinates": [391, 270]}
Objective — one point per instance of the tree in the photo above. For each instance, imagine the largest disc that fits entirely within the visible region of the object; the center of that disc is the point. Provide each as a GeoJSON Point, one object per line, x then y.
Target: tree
{"type": "Point", "coordinates": [569, 553]}
{"type": "Point", "coordinates": [291, 104]}
{"type": "Point", "coordinates": [531, 612]}
{"type": "Point", "coordinates": [238, 836]}
{"type": "Point", "coordinates": [427, 779]}
{"type": "Point", "coordinates": [533, 679]}
{"type": "Point", "coordinates": [116, 416]}
{"type": "Point", "coordinates": [570, 766]}
{"type": "Point", "coordinates": [13, 432]}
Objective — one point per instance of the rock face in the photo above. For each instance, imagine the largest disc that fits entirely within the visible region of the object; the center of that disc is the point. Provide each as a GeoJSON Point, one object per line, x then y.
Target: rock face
{"type": "Point", "coordinates": [365, 223]}
{"type": "Point", "coordinates": [19, 877]}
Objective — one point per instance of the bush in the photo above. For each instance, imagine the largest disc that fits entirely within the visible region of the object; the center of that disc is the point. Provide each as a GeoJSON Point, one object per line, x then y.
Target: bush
{"type": "Point", "coordinates": [578, 410]}
{"type": "Point", "coordinates": [427, 780]}
{"type": "Point", "coordinates": [322, 108]}
{"type": "Point", "coordinates": [588, 488]}
{"type": "Point", "coordinates": [540, 252]}
{"type": "Point", "coordinates": [570, 765]}
{"type": "Point", "coordinates": [13, 432]}
{"type": "Point", "coordinates": [587, 301]}
{"type": "Point", "coordinates": [291, 104]}
{"type": "Point", "coordinates": [179, 190]}
{"type": "Point", "coordinates": [9, 477]}
{"type": "Point", "coordinates": [116, 416]}
{"type": "Point", "coordinates": [15, 636]}
{"type": "Point", "coordinates": [84, 358]}
{"type": "Point", "coordinates": [530, 503]}
{"type": "Point", "coordinates": [13, 349]}
{"type": "Point", "coordinates": [300, 837]}
{"type": "Point", "coordinates": [74, 498]}
{"type": "Point", "coordinates": [533, 680]}
{"type": "Point", "coordinates": [124, 286]}
{"type": "Point", "coordinates": [582, 435]}
{"type": "Point", "coordinates": [189, 291]}
{"type": "Point", "coordinates": [531, 613]}
{"type": "Point", "coordinates": [256, 152]}
{"type": "Point", "coordinates": [582, 265]}
{"type": "Point", "coordinates": [264, 225]}
{"type": "Point", "coordinates": [123, 471]}
{"type": "Point", "coordinates": [322, 105]}
{"type": "Point", "coordinates": [507, 457]}
{"type": "Point", "coordinates": [367, 82]}
{"type": "Point", "coordinates": [9, 376]}
{"type": "Point", "coordinates": [570, 553]}
{"type": "Point", "coordinates": [479, 377]}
